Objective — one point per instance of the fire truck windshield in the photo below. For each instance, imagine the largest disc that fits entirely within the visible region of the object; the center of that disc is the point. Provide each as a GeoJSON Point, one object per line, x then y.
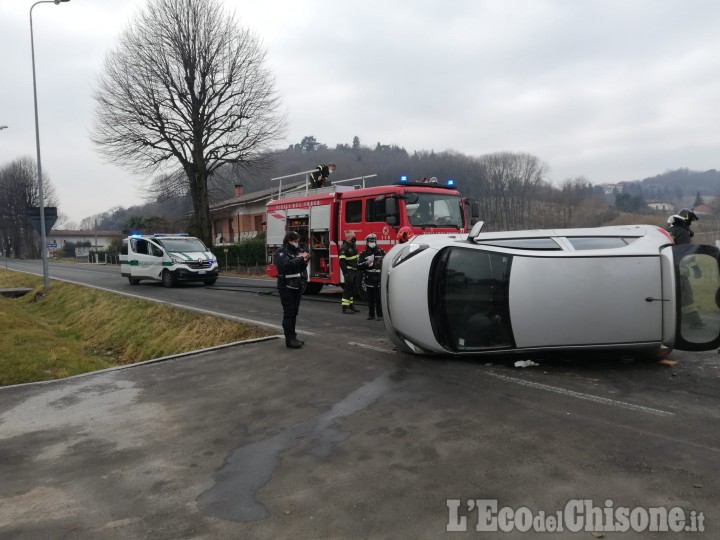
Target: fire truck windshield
{"type": "Point", "coordinates": [434, 210]}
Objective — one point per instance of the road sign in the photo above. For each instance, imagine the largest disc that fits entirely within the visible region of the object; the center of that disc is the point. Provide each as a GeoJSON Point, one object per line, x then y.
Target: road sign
{"type": "Point", "coordinates": [51, 245]}
{"type": "Point", "coordinates": [50, 218]}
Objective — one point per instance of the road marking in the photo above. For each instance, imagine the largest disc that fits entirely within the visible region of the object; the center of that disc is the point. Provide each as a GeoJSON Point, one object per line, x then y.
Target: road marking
{"type": "Point", "coordinates": [371, 347]}
{"type": "Point", "coordinates": [581, 395]}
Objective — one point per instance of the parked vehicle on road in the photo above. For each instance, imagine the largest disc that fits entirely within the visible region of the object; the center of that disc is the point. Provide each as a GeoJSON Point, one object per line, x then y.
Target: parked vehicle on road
{"type": "Point", "coordinates": [169, 258]}
{"type": "Point", "coordinates": [623, 288]}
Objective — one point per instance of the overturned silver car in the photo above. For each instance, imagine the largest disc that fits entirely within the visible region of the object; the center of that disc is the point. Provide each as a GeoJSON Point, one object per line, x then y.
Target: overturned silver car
{"type": "Point", "coordinates": [625, 288]}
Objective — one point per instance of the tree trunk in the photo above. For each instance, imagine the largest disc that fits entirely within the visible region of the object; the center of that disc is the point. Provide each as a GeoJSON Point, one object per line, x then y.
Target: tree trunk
{"type": "Point", "coordinates": [201, 206]}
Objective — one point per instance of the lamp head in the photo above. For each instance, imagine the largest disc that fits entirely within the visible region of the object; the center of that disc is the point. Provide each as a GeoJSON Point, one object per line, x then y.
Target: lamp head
{"type": "Point", "coordinates": [58, 1]}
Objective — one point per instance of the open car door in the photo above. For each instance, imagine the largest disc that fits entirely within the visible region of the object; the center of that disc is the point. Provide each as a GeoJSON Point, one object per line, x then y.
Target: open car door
{"type": "Point", "coordinates": [697, 297]}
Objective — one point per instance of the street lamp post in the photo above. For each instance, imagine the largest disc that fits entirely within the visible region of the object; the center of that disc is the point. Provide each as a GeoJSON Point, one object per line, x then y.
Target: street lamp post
{"type": "Point", "coordinates": [46, 278]}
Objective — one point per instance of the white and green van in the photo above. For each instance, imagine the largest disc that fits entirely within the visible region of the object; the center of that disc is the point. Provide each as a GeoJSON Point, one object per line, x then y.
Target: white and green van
{"type": "Point", "coordinates": [169, 258]}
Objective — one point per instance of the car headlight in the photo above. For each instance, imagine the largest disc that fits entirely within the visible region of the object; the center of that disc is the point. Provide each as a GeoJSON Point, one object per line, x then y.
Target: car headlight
{"type": "Point", "coordinates": [408, 251]}
{"type": "Point", "coordinates": [177, 260]}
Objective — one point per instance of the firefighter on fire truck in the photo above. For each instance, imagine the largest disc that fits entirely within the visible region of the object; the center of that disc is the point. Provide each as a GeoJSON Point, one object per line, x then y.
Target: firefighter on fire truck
{"type": "Point", "coordinates": [320, 174]}
{"type": "Point", "coordinates": [348, 264]}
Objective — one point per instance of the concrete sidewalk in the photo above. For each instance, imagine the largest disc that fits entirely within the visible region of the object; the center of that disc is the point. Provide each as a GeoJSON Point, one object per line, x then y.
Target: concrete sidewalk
{"type": "Point", "coordinates": [179, 449]}
{"type": "Point", "coordinates": [336, 440]}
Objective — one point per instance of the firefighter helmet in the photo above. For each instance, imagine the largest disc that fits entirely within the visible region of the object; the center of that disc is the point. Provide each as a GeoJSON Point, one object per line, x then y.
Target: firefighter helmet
{"type": "Point", "coordinates": [688, 215]}
{"type": "Point", "coordinates": [371, 238]}
{"type": "Point", "coordinates": [405, 234]}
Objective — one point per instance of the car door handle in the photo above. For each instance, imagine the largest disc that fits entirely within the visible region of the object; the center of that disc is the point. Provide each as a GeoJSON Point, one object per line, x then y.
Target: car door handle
{"type": "Point", "coordinates": [651, 299]}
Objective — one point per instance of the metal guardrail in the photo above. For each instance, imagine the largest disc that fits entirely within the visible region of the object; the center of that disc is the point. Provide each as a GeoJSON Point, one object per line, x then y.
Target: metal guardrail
{"type": "Point", "coordinates": [332, 188]}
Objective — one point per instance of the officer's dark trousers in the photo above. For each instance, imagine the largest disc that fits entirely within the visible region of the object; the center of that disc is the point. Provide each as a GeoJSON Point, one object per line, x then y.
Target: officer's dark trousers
{"type": "Point", "coordinates": [374, 304]}
{"type": "Point", "coordinates": [290, 299]}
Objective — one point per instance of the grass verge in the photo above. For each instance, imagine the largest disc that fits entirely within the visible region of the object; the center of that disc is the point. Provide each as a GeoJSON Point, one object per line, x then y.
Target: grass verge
{"type": "Point", "coordinates": [74, 329]}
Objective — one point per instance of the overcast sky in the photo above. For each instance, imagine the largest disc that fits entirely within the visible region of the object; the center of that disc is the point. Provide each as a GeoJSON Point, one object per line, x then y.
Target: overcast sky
{"type": "Point", "coordinates": [611, 90]}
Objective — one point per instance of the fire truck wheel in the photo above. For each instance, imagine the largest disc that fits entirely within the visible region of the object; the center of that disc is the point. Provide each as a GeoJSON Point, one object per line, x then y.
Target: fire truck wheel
{"type": "Point", "coordinates": [313, 288]}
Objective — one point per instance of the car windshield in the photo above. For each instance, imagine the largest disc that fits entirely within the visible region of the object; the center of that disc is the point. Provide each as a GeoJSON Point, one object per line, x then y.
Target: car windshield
{"type": "Point", "coordinates": [181, 244]}
{"type": "Point", "coordinates": [471, 300]}
{"type": "Point", "coordinates": [433, 210]}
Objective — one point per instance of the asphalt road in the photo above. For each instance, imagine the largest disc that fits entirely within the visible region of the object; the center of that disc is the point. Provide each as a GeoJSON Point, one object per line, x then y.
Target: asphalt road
{"type": "Point", "coordinates": [348, 439]}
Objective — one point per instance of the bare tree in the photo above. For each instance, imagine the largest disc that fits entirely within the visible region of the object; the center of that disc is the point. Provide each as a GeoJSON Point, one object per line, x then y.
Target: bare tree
{"type": "Point", "coordinates": [506, 186]}
{"type": "Point", "coordinates": [187, 87]}
{"type": "Point", "coordinates": [19, 191]}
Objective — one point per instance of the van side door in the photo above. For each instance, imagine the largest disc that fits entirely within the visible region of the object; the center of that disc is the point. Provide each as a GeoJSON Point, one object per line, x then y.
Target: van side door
{"type": "Point", "coordinates": [155, 260]}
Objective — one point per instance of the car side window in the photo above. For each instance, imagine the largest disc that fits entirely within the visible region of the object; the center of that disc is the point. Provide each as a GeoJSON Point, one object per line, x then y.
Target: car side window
{"type": "Point", "coordinates": [538, 244]}
{"type": "Point", "coordinates": [599, 242]}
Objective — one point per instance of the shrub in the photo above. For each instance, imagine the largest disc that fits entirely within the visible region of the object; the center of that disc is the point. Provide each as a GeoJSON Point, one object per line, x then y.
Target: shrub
{"type": "Point", "coordinates": [246, 253]}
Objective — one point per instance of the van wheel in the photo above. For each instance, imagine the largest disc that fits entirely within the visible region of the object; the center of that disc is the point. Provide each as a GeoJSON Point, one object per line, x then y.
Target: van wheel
{"type": "Point", "coordinates": [167, 279]}
{"type": "Point", "coordinates": [133, 280]}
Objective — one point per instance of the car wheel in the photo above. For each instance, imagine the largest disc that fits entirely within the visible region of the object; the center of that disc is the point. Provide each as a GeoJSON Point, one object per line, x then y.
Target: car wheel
{"type": "Point", "coordinates": [210, 282]}
{"type": "Point", "coordinates": [167, 279]}
{"type": "Point", "coordinates": [313, 288]}
{"type": "Point", "coordinates": [133, 280]}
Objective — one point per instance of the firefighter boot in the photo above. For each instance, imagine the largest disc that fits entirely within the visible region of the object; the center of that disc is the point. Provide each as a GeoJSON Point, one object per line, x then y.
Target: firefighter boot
{"type": "Point", "coordinates": [353, 308]}
{"type": "Point", "coordinates": [347, 310]}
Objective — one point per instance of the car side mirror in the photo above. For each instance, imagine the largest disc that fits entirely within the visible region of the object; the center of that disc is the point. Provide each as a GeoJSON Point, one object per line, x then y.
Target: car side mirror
{"type": "Point", "coordinates": [477, 227]}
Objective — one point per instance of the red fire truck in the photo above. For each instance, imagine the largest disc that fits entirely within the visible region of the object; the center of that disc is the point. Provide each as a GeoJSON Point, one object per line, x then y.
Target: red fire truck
{"type": "Point", "coordinates": [321, 217]}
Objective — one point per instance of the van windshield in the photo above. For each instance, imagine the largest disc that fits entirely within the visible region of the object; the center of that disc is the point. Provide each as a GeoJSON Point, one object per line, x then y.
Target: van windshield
{"type": "Point", "coordinates": [434, 210]}
{"type": "Point", "coordinates": [175, 245]}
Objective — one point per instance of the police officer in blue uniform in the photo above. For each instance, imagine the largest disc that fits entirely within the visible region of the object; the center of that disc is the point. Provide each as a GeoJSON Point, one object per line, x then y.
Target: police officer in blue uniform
{"type": "Point", "coordinates": [291, 264]}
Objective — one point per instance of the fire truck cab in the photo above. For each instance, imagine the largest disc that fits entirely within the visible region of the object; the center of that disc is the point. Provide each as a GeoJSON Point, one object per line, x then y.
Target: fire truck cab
{"type": "Point", "coordinates": [321, 217]}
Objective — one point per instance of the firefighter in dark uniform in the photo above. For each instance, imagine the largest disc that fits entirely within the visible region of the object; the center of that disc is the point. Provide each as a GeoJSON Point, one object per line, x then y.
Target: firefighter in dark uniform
{"type": "Point", "coordinates": [370, 262]}
{"type": "Point", "coordinates": [680, 226]}
{"type": "Point", "coordinates": [291, 265]}
{"type": "Point", "coordinates": [348, 265]}
{"type": "Point", "coordinates": [317, 177]}
{"type": "Point", "coordinates": [679, 229]}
